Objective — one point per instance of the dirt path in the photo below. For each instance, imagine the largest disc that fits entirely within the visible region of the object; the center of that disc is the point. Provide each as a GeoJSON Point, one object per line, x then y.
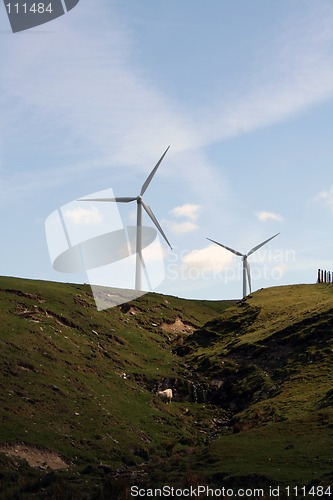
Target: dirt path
{"type": "Point", "coordinates": [35, 457]}
{"type": "Point", "coordinates": [177, 327]}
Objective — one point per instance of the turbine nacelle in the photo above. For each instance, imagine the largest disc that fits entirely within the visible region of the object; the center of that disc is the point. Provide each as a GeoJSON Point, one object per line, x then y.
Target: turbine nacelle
{"type": "Point", "coordinates": [246, 265]}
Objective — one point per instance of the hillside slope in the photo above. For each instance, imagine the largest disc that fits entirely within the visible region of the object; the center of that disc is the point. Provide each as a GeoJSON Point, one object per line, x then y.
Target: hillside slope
{"type": "Point", "coordinates": [252, 382]}
{"type": "Point", "coordinates": [271, 360]}
{"type": "Point", "coordinates": [81, 383]}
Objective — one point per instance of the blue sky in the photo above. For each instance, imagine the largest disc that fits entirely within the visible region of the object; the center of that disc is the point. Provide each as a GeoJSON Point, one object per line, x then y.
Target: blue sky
{"type": "Point", "coordinates": [241, 91]}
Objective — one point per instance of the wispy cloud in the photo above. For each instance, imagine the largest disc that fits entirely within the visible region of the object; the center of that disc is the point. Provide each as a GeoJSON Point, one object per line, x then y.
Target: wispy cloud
{"type": "Point", "coordinates": [95, 90]}
{"type": "Point", "coordinates": [98, 91]}
{"type": "Point", "coordinates": [295, 72]}
{"type": "Point", "coordinates": [108, 108]}
{"type": "Point", "coordinates": [264, 216]}
{"type": "Point", "coordinates": [95, 100]}
{"type": "Point", "coordinates": [86, 216]}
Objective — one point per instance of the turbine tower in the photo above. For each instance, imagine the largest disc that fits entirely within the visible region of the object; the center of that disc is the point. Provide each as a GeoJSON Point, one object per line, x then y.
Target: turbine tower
{"type": "Point", "coordinates": [246, 265]}
{"type": "Point", "coordinates": [140, 203]}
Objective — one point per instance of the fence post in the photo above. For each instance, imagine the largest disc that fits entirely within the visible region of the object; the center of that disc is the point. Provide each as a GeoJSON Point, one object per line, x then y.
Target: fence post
{"type": "Point", "coordinates": [324, 276]}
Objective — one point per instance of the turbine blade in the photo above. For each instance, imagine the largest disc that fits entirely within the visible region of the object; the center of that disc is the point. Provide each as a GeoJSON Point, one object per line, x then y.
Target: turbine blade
{"type": "Point", "coordinates": [123, 199]}
{"type": "Point", "coordinates": [152, 173]}
{"type": "Point", "coordinates": [248, 274]}
{"type": "Point", "coordinates": [227, 248]}
{"type": "Point", "coordinates": [261, 244]}
{"type": "Point", "coordinates": [155, 221]}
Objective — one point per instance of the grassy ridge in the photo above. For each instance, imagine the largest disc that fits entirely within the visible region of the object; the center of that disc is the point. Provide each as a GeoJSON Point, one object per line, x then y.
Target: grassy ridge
{"type": "Point", "coordinates": [253, 386]}
{"type": "Point", "coordinates": [274, 354]}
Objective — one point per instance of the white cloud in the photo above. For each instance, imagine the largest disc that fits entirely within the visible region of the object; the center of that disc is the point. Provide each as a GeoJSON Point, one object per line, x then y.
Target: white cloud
{"type": "Point", "coordinates": [208, 258]}
{"type": "Point", "coordinates": [326, 197]}
{"type": "Point", "coordinates": [264, 216]}
{"type": "Point", "coordinates": [86, 216]}
{"type": "Point", "coordinates": [188, 210]}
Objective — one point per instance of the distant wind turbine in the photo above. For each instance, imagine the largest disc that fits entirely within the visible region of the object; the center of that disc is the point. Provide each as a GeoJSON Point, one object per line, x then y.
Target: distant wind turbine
{"type": "Point", "coordinates": [246, 265]}
{"type": "Point", "coordinates": [140, 204]}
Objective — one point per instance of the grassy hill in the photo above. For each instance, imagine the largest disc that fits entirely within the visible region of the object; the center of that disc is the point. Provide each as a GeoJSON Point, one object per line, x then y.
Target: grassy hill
{"type": "Point", "coordinates": [272, 355]}
{"type": "Point", "coordinates": [252, 382]}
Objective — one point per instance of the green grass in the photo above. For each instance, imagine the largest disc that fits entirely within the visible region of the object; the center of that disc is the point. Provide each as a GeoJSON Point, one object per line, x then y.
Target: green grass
{"type": "Point", "coordinates": [81, 383]}
{"type": "Point", "coordinates": [273, 353]}
{"type": "Point", "coordinates": [63, 366]}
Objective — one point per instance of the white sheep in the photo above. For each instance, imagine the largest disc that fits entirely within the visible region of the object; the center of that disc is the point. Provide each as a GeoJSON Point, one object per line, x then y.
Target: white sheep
{"type": "Point", "coordinates": [165, 395]}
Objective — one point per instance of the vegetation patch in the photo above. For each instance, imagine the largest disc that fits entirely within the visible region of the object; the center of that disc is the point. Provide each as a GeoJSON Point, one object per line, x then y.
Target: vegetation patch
{"type": "Point", "coordinates": [252, 384]}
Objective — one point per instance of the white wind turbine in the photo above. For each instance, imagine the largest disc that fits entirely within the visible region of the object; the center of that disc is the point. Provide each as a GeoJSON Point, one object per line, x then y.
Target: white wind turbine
{"type": "Point", "coordinates": [140, 203]}
{"type": "Point", "coordinates": [246, 265]}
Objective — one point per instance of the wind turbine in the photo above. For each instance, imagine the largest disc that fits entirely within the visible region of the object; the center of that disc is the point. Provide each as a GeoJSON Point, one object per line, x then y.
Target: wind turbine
{"type": "Point", "coordinates": [140, 203]}
{"type": "Point", "coordinates": [246, 265]}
